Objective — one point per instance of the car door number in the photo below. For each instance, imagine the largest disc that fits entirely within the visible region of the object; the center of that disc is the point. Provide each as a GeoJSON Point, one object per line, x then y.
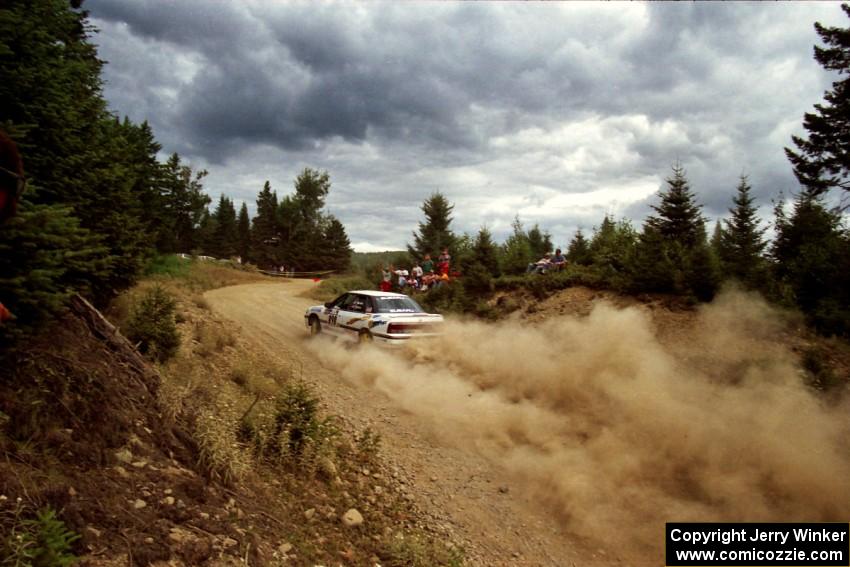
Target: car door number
{"type": "Point", "coordinates": [332, 318]}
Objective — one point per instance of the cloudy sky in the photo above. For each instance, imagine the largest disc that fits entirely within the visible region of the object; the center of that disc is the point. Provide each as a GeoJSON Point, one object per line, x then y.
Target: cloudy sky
{"type": "Point", "coordinates": [556, 112]}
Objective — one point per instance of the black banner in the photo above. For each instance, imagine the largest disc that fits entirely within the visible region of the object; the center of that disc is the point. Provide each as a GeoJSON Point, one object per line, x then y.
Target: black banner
{"type": "Point", "coordinates": [759, 545]}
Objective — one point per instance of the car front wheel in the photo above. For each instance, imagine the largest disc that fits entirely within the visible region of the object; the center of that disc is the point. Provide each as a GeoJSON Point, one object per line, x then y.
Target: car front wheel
{"type": "Point", "coordinates": [315, 326]}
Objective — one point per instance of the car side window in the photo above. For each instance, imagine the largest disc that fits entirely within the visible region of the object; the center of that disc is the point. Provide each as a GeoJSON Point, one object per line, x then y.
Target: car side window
{"type": "Point", "coordinates": [358, 304]}
{"type": "Point", "coordinates": [341, 300]}
{"type": "Point", "coordinates": [351, 303]}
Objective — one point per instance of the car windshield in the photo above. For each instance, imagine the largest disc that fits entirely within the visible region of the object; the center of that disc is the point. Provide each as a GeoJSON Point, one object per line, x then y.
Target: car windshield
{"type": "Point", "coordinates": [397, 305]}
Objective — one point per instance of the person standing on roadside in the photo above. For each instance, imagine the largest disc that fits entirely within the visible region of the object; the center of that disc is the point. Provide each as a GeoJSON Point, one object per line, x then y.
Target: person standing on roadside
{"type": "Point", "coordinates": [386, 279]}
{"type": "Point", "coordinates": [443, 262]}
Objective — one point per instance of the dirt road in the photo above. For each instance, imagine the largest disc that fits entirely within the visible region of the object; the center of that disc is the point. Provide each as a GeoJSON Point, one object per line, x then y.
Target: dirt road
{"type": "Point", "coordinates": [474, 498]}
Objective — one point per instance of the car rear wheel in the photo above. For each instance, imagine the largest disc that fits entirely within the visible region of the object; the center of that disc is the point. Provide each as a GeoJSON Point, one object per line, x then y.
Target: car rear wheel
{"type": "Point", "coordinates": [315, 326]}
{"type": "Point", "coordinates": [365, 337]}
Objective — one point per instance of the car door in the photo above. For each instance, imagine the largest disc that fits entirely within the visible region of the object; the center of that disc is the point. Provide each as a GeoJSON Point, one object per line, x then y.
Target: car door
{"type": "Point", "coordinates": [330, 316]}
{"type": "Point", "coordinates": [351, 315]}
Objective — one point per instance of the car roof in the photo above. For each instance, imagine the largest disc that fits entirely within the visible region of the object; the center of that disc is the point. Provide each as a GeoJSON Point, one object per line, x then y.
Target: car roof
{"type": "Point", "coordinates": [374, 293]}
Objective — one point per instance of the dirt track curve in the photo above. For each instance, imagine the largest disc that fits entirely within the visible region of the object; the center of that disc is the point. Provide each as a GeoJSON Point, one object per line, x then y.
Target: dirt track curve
{"type": "Point", "coordinates": [497, 522]}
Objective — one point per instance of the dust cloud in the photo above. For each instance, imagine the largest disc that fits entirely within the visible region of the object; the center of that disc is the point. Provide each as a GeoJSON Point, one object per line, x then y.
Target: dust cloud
{"type": "Point", "coordinates": [618, 433]}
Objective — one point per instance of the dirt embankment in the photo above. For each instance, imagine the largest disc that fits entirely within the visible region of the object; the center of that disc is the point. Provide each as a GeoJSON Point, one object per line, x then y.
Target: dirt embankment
{"type": "Point", "coordinates": [563, 438]}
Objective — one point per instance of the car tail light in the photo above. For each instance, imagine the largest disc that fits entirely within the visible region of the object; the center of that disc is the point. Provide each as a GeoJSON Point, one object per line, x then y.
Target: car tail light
{"type": "Point", "coordinates": [406, 328]}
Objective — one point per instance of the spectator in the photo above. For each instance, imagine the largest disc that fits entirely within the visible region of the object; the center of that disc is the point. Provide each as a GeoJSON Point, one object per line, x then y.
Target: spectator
{"type": "Point", "coordinates": [416, 272]}
{"type": "Point", "coordinates": [540, 266]}
{"type": "Point", "coordinates": [559, 261]}
{"type": "Point", "coordinates": [443, 262]}
{"type": "Point", "coordinates": [386, 279]}
{"type": "Point", "coordinates": [427, 265]}
{"type": "Point", "coordinates": [428, 280]}
{"type": "Point", "coordinates": [402, 277]}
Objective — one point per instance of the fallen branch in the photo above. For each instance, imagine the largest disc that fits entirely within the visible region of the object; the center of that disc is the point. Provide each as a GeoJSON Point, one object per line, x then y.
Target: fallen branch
{"type": "Point", "coordinates": [117, 342]}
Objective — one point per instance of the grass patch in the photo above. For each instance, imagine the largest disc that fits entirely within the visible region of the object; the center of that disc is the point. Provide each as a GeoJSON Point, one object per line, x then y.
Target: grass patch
{"type": "Point", "coordinates": [332, 288]}
{"type": "Point", "coordinates": [212, 338]}
{"type": "Point", "coordinates": [168, 265]}
{"type": "Point", "coordinates": [418, 551]}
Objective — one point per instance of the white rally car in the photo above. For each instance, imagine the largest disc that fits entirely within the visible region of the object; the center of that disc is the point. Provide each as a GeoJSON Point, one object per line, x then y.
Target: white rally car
{"type": "Point", "coordinates": [365, 316]}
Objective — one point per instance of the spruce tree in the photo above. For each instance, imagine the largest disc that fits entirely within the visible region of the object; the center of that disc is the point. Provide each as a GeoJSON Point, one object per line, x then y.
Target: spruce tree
{"type": "Point", "coordinates": [183, 206]}
{"type": "Point", "coordinates": [812, 262]}
{"type": "Point", "coordinates": [243, 230]}
{"type": "Point", "coordinates": [717, 239]}
{"type": "Point", "coordinates": [539, 241]}
{"type": "Point", "coordinates": [822, 161]}
{"type": "Point", "coordinates": [678, 214]}
{"type": "Point", "coordinates": [336, 246]}
{"type": "Point", "coordinates": [578, 251]}
{"type": "Point", "coordinates": [485, 252]}
{"type": "Point", "coordinates": [516, 252]}
{"type": "Point", "coordinates": [611, 245]}
{"type": "Point", "coordinates": [264, 229]}
{"type": "Point", "coordinates": [681, 229]}
{"type": "Point", "coordinates": [651, 268]}
{"type": "Point", "coordinates": [742, 242]}
{"type": "Point", "coordinates": [435, 233]}
{"type": "Point", "coordinates": [225, 236]}
{"type": "Point", "coordinates": [44, 256]}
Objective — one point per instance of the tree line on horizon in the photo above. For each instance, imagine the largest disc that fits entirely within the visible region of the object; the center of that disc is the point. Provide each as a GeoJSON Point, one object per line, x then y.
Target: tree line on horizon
{"type": "Point", "coordinates": [806, 265]}
{"type": "Point", "coordinates": [99, 203]}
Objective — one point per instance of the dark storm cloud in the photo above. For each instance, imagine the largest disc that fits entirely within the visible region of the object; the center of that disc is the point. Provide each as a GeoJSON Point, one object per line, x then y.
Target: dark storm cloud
{"type": "Point", "coordinates": [484, 101]}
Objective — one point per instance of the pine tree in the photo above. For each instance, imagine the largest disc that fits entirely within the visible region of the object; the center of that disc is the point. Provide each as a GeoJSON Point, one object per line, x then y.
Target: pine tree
{"type": "Point", "coordinates": [611, 245]}
{"type": "Point", "coordinates": [243, 230]}
{"type": "Point", "coordinates": [823, 160]}
{"type": "Point", "coordinates": [717, 238]}
{"type": "Point", "coordinates": [225, 235]}
{"type": "Point", "coordinates": [75, 152]}
{"type": "Point", "coordinates": [578, 251]}
{"type": "Point", "coordinates": [516, 252]}
{"type": "Point", "coordinates": [679, 218]}
{"type": "Point", "coordinates": [539, 241]}
{"type": "Point", "coordinates": [205, 236]}
{"type": "Point", "coordinates": [651, 268]}
{"type": "Point", "coordinates": [435, 233]}
{"type": "Point", "coordinates": [742, 242]}
{"type": "Point", "coordinates": [183, 205]}
{"type": "Point", "coordinates": [264, 229]}
{"type": "Point", "coordinates": [812, 261]}
{"type": "Point", "coordinates": [684, 244]}
{"type": "Point", "coordinates": [486, 253]}
{"type": "Point", "coordinates": [44, 256]}
{"type": "Point", "coordinates": [337, 247]}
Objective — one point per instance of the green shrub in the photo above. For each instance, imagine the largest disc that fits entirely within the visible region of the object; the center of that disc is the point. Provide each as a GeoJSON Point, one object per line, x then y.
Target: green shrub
{"type": "Point", "coordinates": [170, 265]}
{"type": "Point", "coordinates": [332, 288]}
{"type": "Point", "coordinates": [151, 325]}
{"type": "Point", "coordinates": [294, 432]}
{"type": "Point", "coordinates": [43, 541]}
